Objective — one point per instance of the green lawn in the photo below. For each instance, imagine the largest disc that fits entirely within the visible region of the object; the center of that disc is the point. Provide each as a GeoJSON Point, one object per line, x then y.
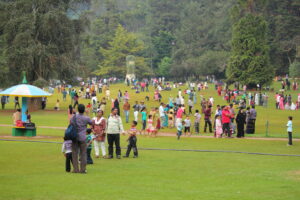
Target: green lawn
{"type": "Point", "coordinates": [36, 171]}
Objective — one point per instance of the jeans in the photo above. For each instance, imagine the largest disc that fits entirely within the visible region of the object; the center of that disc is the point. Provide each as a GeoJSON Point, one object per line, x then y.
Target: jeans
{"type": "Point", "coordinates": [113, 138]}
{"type": "Point", "coordinates": [179, 133]}
{"type": "Point", "coordinates": [126, 115]}
{"type": "Point", "coordinates": [290, 138]}
{"type": "Point", "coordinates": [197, 125]}
{"type": "Point", "coordinates": [208, 122]}
{"type": "Point", "coordinates": [76, 147]}
{"type": "Point", "coordinates": [75, 104]}
{"type": "Point", "coordinates": [132, 145]}
{"type": "Point", "coordinates": [68, 161]}
{"type": "Point", "coordinates": [97, 145]}
{"type": "Point", "coordinates": [89, 158]}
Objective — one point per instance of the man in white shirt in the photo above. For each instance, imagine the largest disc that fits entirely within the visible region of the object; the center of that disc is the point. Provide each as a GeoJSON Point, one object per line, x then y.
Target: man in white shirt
{"type": "Point", "coordinates": [162, 113]}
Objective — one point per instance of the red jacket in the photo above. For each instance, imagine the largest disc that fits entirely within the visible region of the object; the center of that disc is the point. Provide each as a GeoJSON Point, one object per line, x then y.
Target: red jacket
{"type": "Point", "coordinates": [225, 116]}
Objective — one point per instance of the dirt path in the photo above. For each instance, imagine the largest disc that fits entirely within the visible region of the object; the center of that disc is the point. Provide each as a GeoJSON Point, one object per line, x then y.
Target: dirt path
{"type": "Point", "coordinates": [159, 134]}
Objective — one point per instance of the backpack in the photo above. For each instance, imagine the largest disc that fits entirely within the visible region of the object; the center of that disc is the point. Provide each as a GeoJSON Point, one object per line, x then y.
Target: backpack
{"type": "Point", "coordinates": [71, 133]}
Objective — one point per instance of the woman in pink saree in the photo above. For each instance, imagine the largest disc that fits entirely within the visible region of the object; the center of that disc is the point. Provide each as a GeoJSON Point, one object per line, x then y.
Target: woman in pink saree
{"type": "Point", "coordinates": [281, 104]}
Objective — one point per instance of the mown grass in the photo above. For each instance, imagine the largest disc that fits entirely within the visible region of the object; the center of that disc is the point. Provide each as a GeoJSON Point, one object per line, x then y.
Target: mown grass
{"type": "Point", "coordinates": [36, 171]}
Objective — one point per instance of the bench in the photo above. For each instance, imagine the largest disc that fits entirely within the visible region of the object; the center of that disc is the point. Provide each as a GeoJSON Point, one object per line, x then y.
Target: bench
{"type": "Point", "coordinates": [23, 131]}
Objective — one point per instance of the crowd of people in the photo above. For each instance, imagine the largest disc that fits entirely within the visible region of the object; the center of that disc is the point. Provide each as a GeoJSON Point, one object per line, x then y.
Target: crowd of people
{"type": "Point", "coordinates": [189, 112]}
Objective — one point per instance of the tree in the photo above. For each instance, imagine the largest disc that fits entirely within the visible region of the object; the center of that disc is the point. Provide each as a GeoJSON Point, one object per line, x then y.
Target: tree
{"type": "Point", "coordinates": [39, 38]}
{"type": "Point", "coordinates": [164, 67]}
{"type": "Point", "coordinates": [200, 30]}
{"type": "Point", "coordinates": [249, 62]}
{"type": "Point", "coordinates": [114, 57]}
{"type": "Point", "coordinates": [213, 63]}
{"type": "Point", "coordinates": [295, 69]}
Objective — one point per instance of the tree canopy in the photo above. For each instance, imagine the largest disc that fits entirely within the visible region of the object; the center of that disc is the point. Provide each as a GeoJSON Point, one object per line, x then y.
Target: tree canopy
{"type": "Point", "coordinates": [172, 38]}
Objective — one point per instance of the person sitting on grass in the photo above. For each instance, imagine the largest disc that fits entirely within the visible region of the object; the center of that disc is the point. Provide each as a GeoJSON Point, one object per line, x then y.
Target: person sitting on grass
{"type": "Point", "coordinates": [89, 141]}
{"type": "Point", "coordinates": [67, 151]}
{"type": "Point", "coordinates": [179, 129]}
{"type": "Point", "coordinates": [132, 141]}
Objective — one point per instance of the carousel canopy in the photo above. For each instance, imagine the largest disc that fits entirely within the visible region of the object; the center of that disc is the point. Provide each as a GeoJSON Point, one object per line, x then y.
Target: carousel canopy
{"type": "Point", "coordinates": [25, 90]}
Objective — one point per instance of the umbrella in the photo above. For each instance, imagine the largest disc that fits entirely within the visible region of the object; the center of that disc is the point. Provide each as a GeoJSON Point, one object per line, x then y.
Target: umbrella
{"type": "Point", "coordinates": [24, 90]}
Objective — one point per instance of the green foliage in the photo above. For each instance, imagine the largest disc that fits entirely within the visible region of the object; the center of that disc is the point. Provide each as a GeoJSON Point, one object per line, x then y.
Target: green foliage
{"type": "Point", "coordinates": [39, 38]}
{"type": "Point", "coordinates": [163, 44]}
{"type": "Point", "coordinates": [213, 63]}
{"type": "Point", "coordinates": [200, 31]}
{"type": "Point", "coordinates": [41, 83]}
{"type": "Point", "coordinates": [114, 57]}
{"type": "Point", "coordinates": [164, 67]}
{"type": "Point", "coordinates": [295, 69]}
{"type": "Point", "coordinates": [249, 63]}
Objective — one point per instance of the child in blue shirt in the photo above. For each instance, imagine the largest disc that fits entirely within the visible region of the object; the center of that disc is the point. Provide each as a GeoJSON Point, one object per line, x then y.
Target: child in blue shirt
{"type": "Point", "coordinates": [89, 141]}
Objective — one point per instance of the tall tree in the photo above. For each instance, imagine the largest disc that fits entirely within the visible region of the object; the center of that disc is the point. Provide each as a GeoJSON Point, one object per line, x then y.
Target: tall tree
{"type": "Point", "coordinates": [114, 57]}
{"type": "Point", "coordinates": [40, 38]}
{"type": "Point", "coordinates": [250, 63]}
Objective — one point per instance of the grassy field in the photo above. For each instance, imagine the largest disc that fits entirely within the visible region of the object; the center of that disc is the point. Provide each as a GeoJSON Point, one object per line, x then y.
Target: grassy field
{"type": "Point", "coordinates": [36, 170]}
{"type": "Point", "coordinates": [277, 118]}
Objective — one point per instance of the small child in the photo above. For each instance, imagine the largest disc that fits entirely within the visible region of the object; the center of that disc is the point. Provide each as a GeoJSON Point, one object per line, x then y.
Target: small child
{"type": "Point", "coordinates": [290, 130]}
{"type": "Point", "coordinates": [171, 119]}
{"type": "Point", "coordinates": [144, 120]}
{"type": "Point", "coordinates": [219, 129]}
{"type": "Point", "coordinates": [187, 126]}
{"type": "Point", "coordinates": [89, 141]}
{"type": "Point", "coordinates": [56, 105]}
{"type": "Point", "coordinates": [179, 129]}
{"type": "Point", "coordinates": [67, 151]}
{"type": "Point", "coordinates": [197, 122]}
{"type": "Point", "coordinates": [132, 141]}
{"type": "Point", "coordinates": [150, 128]}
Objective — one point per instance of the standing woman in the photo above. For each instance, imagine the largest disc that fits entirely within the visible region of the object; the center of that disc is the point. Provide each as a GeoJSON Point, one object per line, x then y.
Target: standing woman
{"type": "Point", "coordinates": [240, 121]}
{"type": "Point", "coordinates": [98, 127]}
{"type": "Point", "coordinates": [281, 102]}
{"type": "Point", "coordinates": [117, 105]}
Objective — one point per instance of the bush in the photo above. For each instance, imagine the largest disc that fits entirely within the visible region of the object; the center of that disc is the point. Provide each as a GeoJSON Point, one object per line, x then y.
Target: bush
{"type": "Point", "coordinates": [40, 83]}
{"type": "Point", "coordinates": [294, 69]}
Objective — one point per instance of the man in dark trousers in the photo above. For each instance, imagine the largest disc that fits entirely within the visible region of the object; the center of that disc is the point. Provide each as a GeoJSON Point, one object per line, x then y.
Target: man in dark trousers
{"type": "Point", "coordinates": [80, 146]}
{"type": "Point", "coordinates": [114, 128]}
{"type": "Point", "coordinates": [207, 116]}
